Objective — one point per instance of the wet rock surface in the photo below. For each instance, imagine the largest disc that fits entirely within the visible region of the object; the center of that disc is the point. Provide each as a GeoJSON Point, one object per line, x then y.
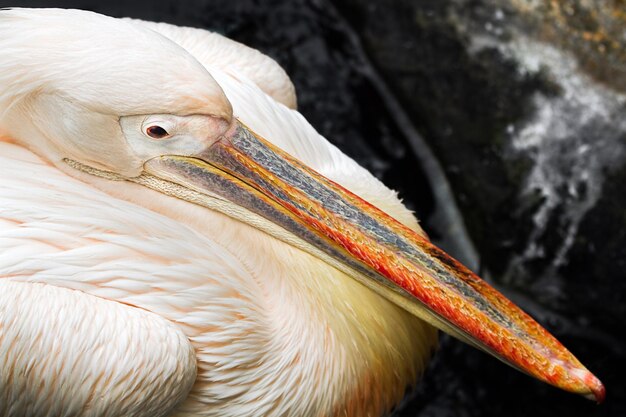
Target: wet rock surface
{"type": "Point", "coordinates": [517, 109]}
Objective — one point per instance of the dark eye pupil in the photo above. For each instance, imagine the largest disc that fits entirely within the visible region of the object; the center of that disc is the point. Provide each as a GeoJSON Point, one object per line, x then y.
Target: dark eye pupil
{"type": "Point", "coordinates": [156, 132]}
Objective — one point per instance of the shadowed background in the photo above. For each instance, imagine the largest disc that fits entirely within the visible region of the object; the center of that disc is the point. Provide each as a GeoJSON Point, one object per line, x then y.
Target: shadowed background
{"type": "Point", "coordinates": [503, 125]}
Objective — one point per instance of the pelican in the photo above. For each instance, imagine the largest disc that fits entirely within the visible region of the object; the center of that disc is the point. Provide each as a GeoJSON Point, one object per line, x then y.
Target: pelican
{"type": "Point", "coordinates": [177, 240]}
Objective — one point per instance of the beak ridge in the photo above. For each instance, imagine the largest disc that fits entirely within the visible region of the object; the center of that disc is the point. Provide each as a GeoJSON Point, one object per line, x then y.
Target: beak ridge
{"type": "Point", "coordinates": [244, 169]}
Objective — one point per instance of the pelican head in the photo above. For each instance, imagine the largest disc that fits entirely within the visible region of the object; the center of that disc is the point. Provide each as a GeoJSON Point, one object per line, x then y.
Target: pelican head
{"type": "Point", "coordinates": [106, 85]}
{"type": "Point", "coordinates": [105, 98]}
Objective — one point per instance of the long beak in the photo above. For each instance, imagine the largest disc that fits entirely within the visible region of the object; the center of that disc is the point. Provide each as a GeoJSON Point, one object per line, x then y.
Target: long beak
{"type": "Point", "coordinates": [244, 170]}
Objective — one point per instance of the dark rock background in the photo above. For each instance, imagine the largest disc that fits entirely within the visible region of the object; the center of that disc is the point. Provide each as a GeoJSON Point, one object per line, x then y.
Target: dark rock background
{"type": "Point", "coordinates": [511, 112]}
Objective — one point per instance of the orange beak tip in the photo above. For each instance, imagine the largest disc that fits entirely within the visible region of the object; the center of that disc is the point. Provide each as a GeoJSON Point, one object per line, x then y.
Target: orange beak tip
{"type": "Point", "coordinates": [598, 392]}
{"type": "Point", "coordinates": [595, 389]}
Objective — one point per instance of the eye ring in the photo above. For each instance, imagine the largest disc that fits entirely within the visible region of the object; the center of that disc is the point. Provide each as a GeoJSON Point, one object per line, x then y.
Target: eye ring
{"type": "Point", "coordinates": [156, 132]}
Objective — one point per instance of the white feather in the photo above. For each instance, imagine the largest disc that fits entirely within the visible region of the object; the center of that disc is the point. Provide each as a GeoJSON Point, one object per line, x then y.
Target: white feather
{"type": "Point", "coordinates": [104, 359]}
{"type": "Point", "coordinates": [275, 330]}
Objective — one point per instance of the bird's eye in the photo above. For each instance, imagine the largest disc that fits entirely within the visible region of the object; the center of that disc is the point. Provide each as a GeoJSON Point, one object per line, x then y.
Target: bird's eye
{"type": "Point", "coordinates": [156, 132]}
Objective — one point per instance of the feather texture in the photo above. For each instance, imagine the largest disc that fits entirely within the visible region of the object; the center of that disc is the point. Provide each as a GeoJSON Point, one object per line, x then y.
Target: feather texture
{"type": "Point", "coordinates": [275, 331]}
{"type": "Point", "coordinates": [89, 356]}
